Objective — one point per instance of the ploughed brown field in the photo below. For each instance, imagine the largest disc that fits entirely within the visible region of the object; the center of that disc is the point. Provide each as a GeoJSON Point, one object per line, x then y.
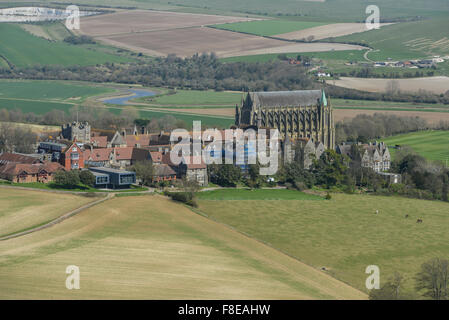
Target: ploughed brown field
{"type": "Point", "coordinates": [162, 33]}
{"type": "Point", "coordinates": [339, 114]}
{"type": "Point", "coordinates": [188, 41]}
{"type": "Point", "coordinates": [439, 84]}
{"type": "Point", "coordinates": [145, 20]}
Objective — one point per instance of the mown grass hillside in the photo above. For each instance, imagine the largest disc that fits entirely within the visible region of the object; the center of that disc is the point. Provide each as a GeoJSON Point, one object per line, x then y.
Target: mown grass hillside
{"type": "Point", "coordinates": [149, 247]}
{"type": "Point", "coordinates": [344, 235]}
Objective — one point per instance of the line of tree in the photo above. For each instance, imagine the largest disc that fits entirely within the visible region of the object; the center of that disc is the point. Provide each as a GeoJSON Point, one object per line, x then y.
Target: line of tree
{"type": "Point", "coordinates": [364, 128]}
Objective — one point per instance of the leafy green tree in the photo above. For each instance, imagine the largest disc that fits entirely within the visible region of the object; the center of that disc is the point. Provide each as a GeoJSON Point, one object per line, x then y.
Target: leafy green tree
{"type": "Point", "coordinates": [226, 175]}
{"type": "Point", "coordinates": [67, 179]}
{"type": "Point", "coordinates": [87, 178]}
{"type": "Point", "coordinates": [330, 169]}
{"type": "Point", "coordinates": [254, 179]}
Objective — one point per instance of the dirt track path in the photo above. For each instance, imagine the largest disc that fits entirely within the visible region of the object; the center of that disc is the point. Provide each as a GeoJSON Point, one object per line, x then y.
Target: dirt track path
{"type": "Point", "coordinates": [60, 219]}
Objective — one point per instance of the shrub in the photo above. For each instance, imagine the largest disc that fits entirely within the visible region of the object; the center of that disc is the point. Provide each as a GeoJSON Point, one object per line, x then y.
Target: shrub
{"type": "Point", "coordinates": [328, 196]}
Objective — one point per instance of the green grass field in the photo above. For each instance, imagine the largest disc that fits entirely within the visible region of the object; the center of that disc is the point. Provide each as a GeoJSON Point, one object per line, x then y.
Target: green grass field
{"type": "Point", "coordinates": [268, 27]}
{"type": "Point", "coordinates": [23, 49]}
{"type": "Point", "coordinates": [433, 145]}
{"type": "Point", "coordinates": [49, 90]}
{"type": "Point", "coordinates": [408, 40]}
{"type": "Point", "coordinates": [195, 98]}
{"type": "Point", "coordinates": [149, 247]}
{"type": "Point", "coordinates": [256, 194]}
{"type": "Point", "coordinates": [344, 10]}
{"type": "Point", "coordinates": [21, 210]}
{"type": "Point", "coordinates": [343, 234]}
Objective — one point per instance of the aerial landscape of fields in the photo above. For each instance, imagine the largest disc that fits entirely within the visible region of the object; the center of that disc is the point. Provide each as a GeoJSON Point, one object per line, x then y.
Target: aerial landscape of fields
{"type": "Point", "coordinates": [87, 177]}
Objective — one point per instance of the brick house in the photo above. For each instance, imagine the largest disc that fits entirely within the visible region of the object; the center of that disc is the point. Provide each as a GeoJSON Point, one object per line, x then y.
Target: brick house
{"type": "Point", "coordinates": [163, 172]}
{"type": "Point", "coordinates": [28, 173]}
{"type": "Point", "coordinates": [120, 157]}
{"type": "Point", "coordinates": [72, 157]}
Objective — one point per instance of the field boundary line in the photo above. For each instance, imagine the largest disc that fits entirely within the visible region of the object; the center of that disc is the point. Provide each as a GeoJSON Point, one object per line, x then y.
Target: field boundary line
{"type": "Point", "coordinates": [59, 219]}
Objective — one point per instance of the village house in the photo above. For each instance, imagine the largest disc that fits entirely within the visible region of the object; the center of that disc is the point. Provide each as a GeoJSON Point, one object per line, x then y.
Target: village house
{"type": "Point", "coordinates": [118, 157]}
{"type": "Point", "coordinates": [72, 157]}
{"type": "Point", "coordinates": [26, 169]}
{"type": "Point", "coordinates": [163, 172]}
{"type": "Point", "coordinates": [193, 169]}
{"type": "Point", "coordinates": [373, 155]}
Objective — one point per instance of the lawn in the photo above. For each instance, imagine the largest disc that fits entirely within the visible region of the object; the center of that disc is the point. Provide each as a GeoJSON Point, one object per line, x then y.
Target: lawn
{"type": "Point", "coordinates": [21, 210]}
{"type": "Point", "coordinates": [23, 49]}
{"type": "Point", "coordinates": [268, 27]}
{"type": "Point", "coordinates": [256, 194]}
{"type": "Point", "coordinates": [149, 247]}
{"type": "Point", "coordinates": [343, 234]}
{"type": "Point", "coordinates": [433, 145]}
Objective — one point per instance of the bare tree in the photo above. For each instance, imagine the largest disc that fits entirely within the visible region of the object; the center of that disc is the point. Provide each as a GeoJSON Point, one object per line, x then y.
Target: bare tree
{"type": "Point", "coordinates": [392, 87]}
{"type": "Point", "coordinates": [433, 279]}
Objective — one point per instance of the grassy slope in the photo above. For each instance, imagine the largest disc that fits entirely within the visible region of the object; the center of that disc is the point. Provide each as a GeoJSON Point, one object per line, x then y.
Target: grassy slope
{"type": "Point", "coordinates": [268, 27]}
{"type": "Point", "coordinates": [20, 210]}
{"type": "Point", "coordinates": [394, 41]}
{"type": "Point", "coordinates": [343, 234]}
{"type": "Point", "coordinates": [257, 194]}
{"type": "Point", "coordinates": [23, 49]}
{"type": "Point", "coordinates": [433, 145]}
{"type": "Point", "coordinates": [148, 247]}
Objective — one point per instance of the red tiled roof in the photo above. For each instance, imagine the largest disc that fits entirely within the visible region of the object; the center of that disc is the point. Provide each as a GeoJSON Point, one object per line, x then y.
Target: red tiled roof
{"type": "Point", "coordinates": [125, 153]}
{"type": "Point", "coordinates": [15, 169]}
{"type": "Point", "coordinates": [100, 141]}
{"type": "Point", "coordinates": [8, 157]}
{"type": "Point", "coordinates": [163, 170]}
